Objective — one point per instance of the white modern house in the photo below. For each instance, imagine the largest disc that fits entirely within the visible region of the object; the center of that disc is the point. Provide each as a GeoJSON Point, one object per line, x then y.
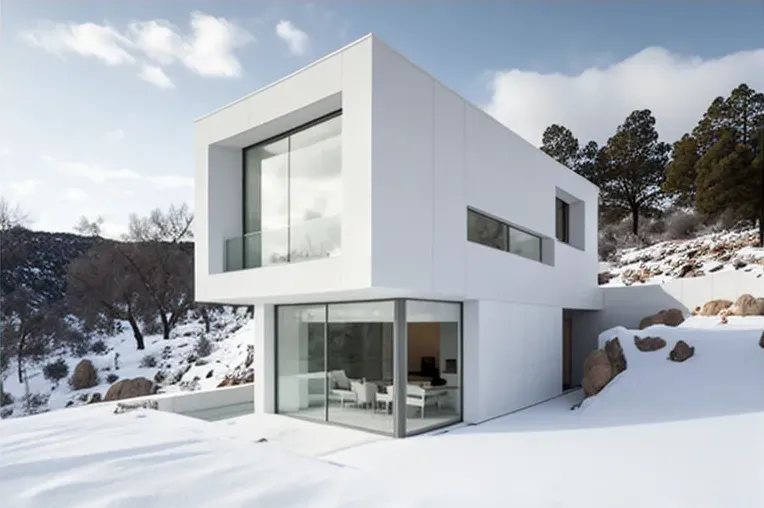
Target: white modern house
{"type": "Point", "coordinates": [412, 262]}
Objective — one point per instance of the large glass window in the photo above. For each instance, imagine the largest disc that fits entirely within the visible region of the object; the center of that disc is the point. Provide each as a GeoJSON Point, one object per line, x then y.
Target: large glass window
{"type": "Point", "coordinates": [339, 362]}
{"type": "Point", "coordinates": [300, 356]}
{"type": "Point", "coordinates": [292, 198]}
{"type": "Point", "coordinates": [433, 392]}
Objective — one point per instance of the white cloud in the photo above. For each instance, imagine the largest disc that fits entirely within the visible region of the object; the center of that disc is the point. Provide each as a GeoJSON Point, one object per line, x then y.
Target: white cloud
{"type": "Point", "coordinates": [114, 136]}
{"type": "Point", "coordinates": [25, 187]}
{"type": "Point", "coordinates": [102, 42]}
{"type": "Point", "coordinates": [170, 181]}
{"type": "Point", "coordinates": [156, 76]}
{"type": "Point", "coordinates": [297, 40]}
{"type": "Point", "coordinates": [677, 89]}
{"type": "Point", "coordinates": [207, 50]}
{"type": "Point", "coordinates": [95, 173]}
{"type": "Point", "coordinates": [5, 150]}
{"type": "Point", "coordinates": [75, 194]}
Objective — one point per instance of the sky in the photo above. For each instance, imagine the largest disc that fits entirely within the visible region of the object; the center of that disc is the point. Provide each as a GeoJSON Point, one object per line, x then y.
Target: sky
{"type": "Point", "coordinates": [98, 97]}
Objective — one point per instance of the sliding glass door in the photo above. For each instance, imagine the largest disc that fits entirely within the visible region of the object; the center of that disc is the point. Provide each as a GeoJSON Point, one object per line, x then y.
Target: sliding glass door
{"type": "Point", "coordinates": [339, 362]}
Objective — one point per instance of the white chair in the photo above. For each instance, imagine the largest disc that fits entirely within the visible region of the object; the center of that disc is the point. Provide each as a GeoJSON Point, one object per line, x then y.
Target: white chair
{"type": "Point", "coordinates": [365, 392]}
{"type": "Point", "coordinates": [385, 399]}
{"type": "Point", "coordinates": [340, 388]}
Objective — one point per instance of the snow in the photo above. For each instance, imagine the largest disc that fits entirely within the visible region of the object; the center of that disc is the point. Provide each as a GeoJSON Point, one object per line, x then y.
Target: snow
{"type": "Point", "coordinates": [665, 261]}
{"type": "Point", "coordinates": [661, 434]}
{"type": "Point", "coordinates": [232, 333]}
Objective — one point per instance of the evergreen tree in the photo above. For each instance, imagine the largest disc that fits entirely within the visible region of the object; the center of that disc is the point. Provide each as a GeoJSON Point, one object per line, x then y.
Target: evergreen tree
{"type": "Point", "coordinates": [560, 144]}
{"type": "Point", "coordinates": [631, 167]}
{"type": "Point", "coordinates": [681, 172]}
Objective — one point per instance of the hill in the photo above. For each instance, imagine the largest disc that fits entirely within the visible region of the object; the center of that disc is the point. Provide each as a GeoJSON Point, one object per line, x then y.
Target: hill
{"type": "Point", "coordinates": [664, 261]}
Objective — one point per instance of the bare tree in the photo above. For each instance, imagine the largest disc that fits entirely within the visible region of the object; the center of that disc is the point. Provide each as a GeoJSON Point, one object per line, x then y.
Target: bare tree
{"type": "Point", "coordinates": [87, 227]}
{"type": "Point", "coordinates": [103, 283]}
{"type": "Point", "coordinates": [162, 259]}
{"type": "Point", "coordinates": [27, 329]}
{"type": "Point", "coordinates": [12, 216]}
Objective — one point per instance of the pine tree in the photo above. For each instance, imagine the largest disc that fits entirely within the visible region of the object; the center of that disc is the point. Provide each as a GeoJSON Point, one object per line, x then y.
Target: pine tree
{"type": "Point", "coordinates": [560, 144]}
{"type": "Point", "coordinates": [631, 168]}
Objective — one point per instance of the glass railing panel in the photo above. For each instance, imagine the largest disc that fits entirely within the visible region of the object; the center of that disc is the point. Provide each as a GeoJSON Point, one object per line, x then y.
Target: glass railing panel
{"type": "Point", "coordinates": [315, 239]}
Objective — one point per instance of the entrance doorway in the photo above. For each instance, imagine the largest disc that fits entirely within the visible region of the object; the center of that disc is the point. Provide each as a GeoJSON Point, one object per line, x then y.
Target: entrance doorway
{"type": "Point", "coordinates": [567, 349]}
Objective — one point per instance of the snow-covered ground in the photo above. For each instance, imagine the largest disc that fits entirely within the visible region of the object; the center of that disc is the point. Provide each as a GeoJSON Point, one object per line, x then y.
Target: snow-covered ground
{"type": "Point", "coordinates": [661, 434]}
{"type": "Point", "coordinates": [665, 261]}
{"type": "Point", "coordinates": [178, 359]}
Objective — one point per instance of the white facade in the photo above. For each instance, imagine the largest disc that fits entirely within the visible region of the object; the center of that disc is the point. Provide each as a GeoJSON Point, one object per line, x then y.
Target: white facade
{"type": "Point", "coordinates": [415, 157]}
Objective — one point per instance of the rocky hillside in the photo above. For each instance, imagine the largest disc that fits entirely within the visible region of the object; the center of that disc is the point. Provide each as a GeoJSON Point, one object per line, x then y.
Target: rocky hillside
{"type": "Point", "coordinates": [664, 261]}
{"type": "Point", "coordinates": [37, 260]}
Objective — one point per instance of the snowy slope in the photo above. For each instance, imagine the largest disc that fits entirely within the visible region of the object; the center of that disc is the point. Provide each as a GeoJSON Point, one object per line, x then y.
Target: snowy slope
{"type": "Point", "coordinates": [179, 362]}
{"type": "Point", "coordinates": [664, 261]}
{"type": "Point", "coordinates": [662, 435]}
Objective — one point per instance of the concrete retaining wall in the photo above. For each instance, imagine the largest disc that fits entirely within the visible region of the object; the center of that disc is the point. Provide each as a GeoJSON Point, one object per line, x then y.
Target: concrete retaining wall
{"type": "Point", "coordinates": [195, 402]}
{"type": "Point", "coordinates": [627, 306]}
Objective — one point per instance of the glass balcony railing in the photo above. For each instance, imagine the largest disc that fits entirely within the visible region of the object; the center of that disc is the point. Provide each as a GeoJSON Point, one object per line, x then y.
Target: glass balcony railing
{"type": "Point", "coordinates": [313, 239]}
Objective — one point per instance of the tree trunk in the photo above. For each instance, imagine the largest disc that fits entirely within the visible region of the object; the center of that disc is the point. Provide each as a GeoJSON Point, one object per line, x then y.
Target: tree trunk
{"type": "Point", "coordinates": [635, 220]}
{"type": "Point", "coordinates": [205, 317]}
{"type": "Point", "coordinates": [166, 327]}
{"type": "Point", "coordinates": [136, 332]}
{"type": "Point", "coordinates": [20, 357]}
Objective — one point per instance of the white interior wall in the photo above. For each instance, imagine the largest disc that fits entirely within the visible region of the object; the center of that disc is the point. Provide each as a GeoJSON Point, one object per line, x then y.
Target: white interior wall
{"type": "Point", "coordinates": [518, 361]}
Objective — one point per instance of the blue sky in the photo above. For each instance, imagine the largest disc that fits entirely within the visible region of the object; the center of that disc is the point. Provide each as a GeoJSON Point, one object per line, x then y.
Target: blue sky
{"type": "Point", "coordinates": [98, 97]}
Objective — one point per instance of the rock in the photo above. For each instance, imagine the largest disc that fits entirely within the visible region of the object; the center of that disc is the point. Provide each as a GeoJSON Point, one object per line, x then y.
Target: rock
{"type": "Point", "coordinates": [681, 352]}
{"type": "Point", "coordinates": [668, 317]}
{"type": "Point", "coordinates": [69, 403]}
{"type": "Point", "coordinates": [647, 344]}
{"type": "Point", "coordinates": [614, 352]}
{"type": "Point", "coordinates": [597, 372]}
{"type": "Point", "coordinates": [94, 397]}
{"type": "Point", "coordinates": [687, 270]}
{"type": "Point", "coordinates": [604, 277]}
{"type": "Point", "coordinates": [761, 340]}
{"type": "Point", "coordinates": [714, 307]}
{"type": "Point", "coordinates": [748, 305]}
{"type": "Point", "coordinates": [85, 376]}
{"type": "Point", "coordinates": [160, 376]}
{"type": "Point", "coordinates": [739, 263]}
{"type": "Point", "coordinates": [250, 355]}
{"type": "Point", "coordinates": [209, 374]}
{"type": "Point", "coordinates": [129, 388]}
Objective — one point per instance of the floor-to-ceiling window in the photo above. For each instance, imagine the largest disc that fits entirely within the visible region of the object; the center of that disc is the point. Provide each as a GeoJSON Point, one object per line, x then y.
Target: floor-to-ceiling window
{"type": "Point", "coordinates": [370, 366]}
{"type": "Point", "coordinates": [292, 198]}
{"type": "Point", "coordinates": [434, 389]}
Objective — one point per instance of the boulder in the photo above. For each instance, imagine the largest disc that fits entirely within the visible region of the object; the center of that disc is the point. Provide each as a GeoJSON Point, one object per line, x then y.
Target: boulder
{"type": "Point", "coordinates": [614, 352]}
{"type": "Point", "coordinates": [681, 352]}
{"type": "Point", "coordinates": [647, 344]}
{"type": "Point", "coordinates": [129, 388]}
{"type": "Point", "coordinates": [85, 376]}
{"type": "Point", "coordinates": [597, 372]}
{"type": "Point", "coordinates": [748, 305]}
{"type": "Point", "coordinates": [668, 317]}
{"type": "Point", "coordinates": [94, 398]}
{"type": "Point", "coordinates": [714, 307]}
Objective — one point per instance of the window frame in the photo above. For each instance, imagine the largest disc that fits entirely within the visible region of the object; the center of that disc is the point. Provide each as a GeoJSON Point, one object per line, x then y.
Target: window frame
{"type": "Point", "coordinates": [565, 208]}
{"type": "Point", "coordinates": [507, 228]}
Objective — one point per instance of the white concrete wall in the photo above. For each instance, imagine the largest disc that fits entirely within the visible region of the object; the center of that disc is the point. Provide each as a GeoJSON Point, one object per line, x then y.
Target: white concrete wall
{"type": "Point", "coordinates": [434, 155]}
{"type": "Point", "coordinates": [341, 80]}
{"type": "Point", "coordinates": [517, 360]}
{"type": "Point", "coordinates": [195, 402]}
{"type": "Point", "coordinates": [627, 306]}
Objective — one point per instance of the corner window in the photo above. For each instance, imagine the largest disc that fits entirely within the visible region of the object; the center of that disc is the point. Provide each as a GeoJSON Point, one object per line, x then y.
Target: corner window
{"type": "Point", "coordinates": [498, 235]}
{"type": "Point", "coordinates": [563, 220]}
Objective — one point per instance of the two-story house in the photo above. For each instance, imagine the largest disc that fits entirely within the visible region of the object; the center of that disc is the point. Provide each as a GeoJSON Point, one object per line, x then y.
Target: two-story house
{"type": "Point", "coordinates": [412, 262]}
